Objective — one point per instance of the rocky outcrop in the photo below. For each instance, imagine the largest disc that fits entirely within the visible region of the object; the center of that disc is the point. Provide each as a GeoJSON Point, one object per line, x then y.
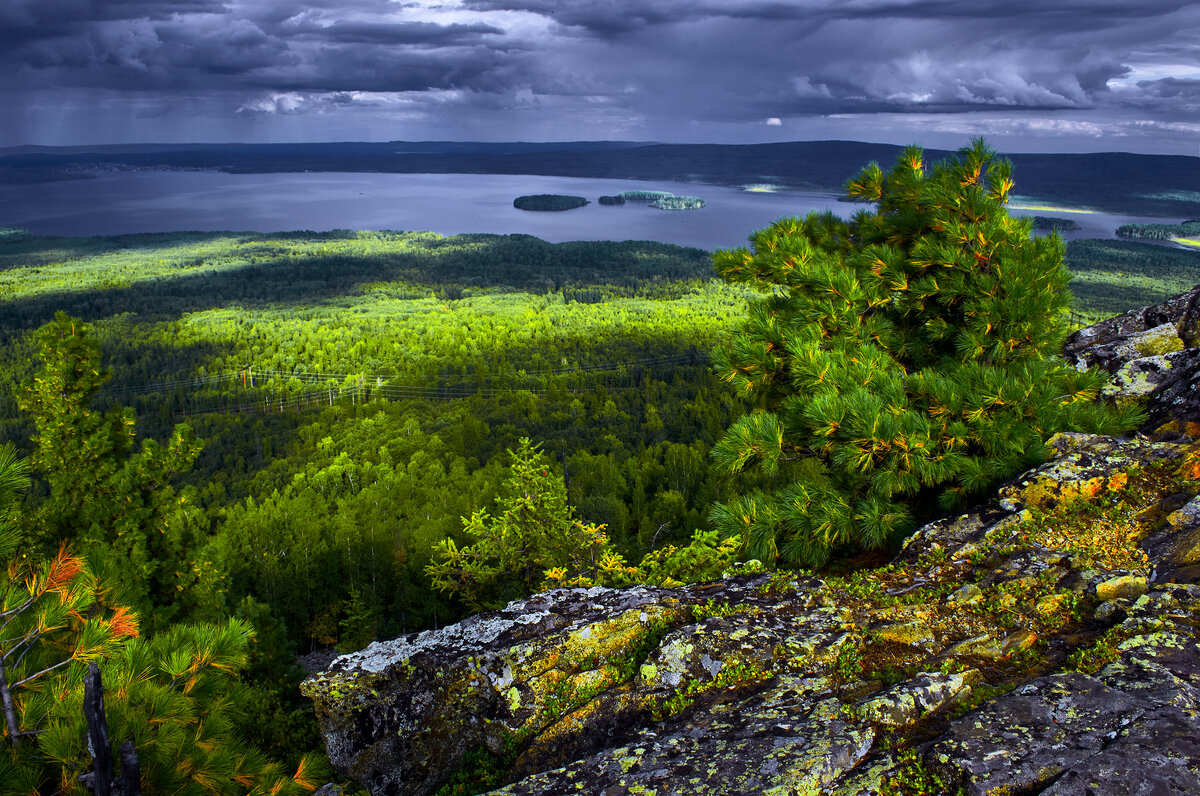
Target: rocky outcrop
{"type": "Point", "coordinates": [1070, 655]}
{"type": "Point", "coordinates": [1047, 643]}
{"type": "Point", "coordinates": [1153, 354]}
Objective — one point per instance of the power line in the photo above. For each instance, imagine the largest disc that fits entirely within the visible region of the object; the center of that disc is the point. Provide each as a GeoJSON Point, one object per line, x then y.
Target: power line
{"type": "Point", "coordinates": [335, 387]}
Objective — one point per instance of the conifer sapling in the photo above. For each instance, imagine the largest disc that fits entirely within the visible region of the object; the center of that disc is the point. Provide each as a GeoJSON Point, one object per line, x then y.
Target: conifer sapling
{"type": "Point", "coordinates": [900, 363]}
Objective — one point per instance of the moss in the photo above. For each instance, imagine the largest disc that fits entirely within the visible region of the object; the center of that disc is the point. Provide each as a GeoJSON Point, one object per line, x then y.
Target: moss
{"type": "Point", "coordinates": [1096, 521]}
{"type": "Point", "coordinates": [914, 632]}
{"type": "Point", "coordinates": [912, 778]}
{"type": "Point", "coordinates": [347, 691]}
{"type": "Point", "coordinates": [888, 664]}
{"type": "Point", "coordinates": [732, 673]}
{"type": "Point", "coordinates": [782, 582]}
{"type": "Point", "coordinates": [1094, 657]}
{"type": "Point", "coordinates": [848, 666]}
{"type": "Point", "coordinates": [711, 608]}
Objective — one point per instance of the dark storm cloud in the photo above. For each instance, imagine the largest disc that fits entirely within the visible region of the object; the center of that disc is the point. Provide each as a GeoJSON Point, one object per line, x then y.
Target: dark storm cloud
{"type": "Point", "coordinates": [1183, 95]}
{"type": "Point", "coordinates": [609, 65]}
{"type": "Point", "coordinates": [424, 34]}
{"type": "Point", "coordinates": [837, 56]}
{"type": "Point", "coordinates": [45, 13]}
{"type": "Point", "coordinates": [24, 21]}
{"type": "Point", "coordinates": [359, 70]}
{"type": "Point", "coordinates": [1173, 87]}
{"type": "Point", "coordinates": [610, 17]}
{"type": "Point", "coordinates": [140, 45]}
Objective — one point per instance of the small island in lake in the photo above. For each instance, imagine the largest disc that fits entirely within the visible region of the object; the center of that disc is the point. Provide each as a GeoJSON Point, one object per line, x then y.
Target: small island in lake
{"type": "Point", "coordinates": [1050, 222]}
{"type": "Point", "coordinates": [645, 196]}
{"type": "Point", "coordinates": [548, 201]}
{"type": "Point", "coordinates": [663, 200]}
{"type": "Point", "coordinates": [678, 203]}
{"type": "Point", "coordinates": [612, 200]}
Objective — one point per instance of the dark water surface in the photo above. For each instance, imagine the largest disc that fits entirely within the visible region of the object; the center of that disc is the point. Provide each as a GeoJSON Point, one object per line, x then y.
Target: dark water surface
{"type": "Point", "coordinates": [173, 201]}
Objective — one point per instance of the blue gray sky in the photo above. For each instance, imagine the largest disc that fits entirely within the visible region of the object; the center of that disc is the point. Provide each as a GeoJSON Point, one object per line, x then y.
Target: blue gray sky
{"type": "Point", "coordinates": [1031, 75]}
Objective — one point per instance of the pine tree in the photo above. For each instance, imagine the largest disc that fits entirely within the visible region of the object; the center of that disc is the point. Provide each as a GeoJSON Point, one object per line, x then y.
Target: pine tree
{"type": "Point", "coordinates": [108, 496]}
{"type": "Point", "coordinates": [53, 622]}
{"type": "Point", "coordinates": [902, 362]}
{"type": "Point", "coordinates": [14, 480]}
{"type": "Point", "coordinates": [178, 698]}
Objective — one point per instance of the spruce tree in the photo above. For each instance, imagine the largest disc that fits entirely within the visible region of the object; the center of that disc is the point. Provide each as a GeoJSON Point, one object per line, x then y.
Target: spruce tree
{"type": "Point", "coordinates": [531, 543]}
{"type": "Point", "coordinates": [901, 362]}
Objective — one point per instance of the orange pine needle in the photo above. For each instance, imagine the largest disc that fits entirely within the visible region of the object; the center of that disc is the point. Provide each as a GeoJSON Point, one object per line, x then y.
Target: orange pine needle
{"type": "Point", "coordinates": [124, 623]}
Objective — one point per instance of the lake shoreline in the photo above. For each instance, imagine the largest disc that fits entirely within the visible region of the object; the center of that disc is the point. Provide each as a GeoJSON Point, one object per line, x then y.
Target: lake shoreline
{"type": "Point", "coordinates": [131, 201]}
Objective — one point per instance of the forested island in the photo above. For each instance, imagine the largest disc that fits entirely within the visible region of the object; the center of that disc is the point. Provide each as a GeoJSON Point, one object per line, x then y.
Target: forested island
{"type": "Point", "coordinates": [659, 200]}
{"type": "Point", "coordinates": [1054, 223]}
{"type": "Point", "coordinates": [548, 202]}
{"type": "Point", "coordinates": [662, 200]}
{"type": "Point", "coordinates": [644, 196]}
{"type": "Point", "coordinates": [678, 203]}
{"type": "Point", "coordinates": [269, 446]}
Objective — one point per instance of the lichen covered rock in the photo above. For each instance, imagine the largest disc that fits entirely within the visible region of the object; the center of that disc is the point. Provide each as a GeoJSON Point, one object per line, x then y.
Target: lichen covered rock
{"type": "Point", "coordinates": [1152, 355]}
{"type": "Point", "coordinates": [1073, 649]}
{"type": "Point", "coordinates": [1132, 727]}
{"type": "Point", "coordinates": [400, 715]}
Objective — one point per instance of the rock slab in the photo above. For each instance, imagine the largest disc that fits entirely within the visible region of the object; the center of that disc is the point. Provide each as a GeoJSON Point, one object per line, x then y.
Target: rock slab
{"type": "Point", "coordinates": [789, 684]}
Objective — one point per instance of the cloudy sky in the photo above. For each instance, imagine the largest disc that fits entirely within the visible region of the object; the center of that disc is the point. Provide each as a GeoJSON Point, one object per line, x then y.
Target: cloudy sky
{"type": "Point", "coordinates": [1032, 75]}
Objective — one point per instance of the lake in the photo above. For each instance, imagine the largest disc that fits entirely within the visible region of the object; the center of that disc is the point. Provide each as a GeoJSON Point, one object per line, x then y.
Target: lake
{"type": "Point", "coordinates": [114, 203]}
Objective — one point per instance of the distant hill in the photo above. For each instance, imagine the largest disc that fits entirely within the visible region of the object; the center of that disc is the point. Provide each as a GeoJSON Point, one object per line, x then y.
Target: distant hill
{"type": "Point", "coordinates": [1159, 185]}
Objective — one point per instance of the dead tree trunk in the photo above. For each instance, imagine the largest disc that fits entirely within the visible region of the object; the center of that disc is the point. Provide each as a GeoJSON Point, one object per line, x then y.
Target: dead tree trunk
{"type": "Point", "coordinates": [97, 725]}
{"type": "Point", "coordinates": [131, 771]}
{"type": "Point", "coordinates": [101, 780]}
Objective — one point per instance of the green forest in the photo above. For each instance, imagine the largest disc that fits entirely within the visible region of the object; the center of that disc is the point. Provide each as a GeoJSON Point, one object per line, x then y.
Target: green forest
{"type": "Point", "coordinates": [333, 405]}
{"type": "Point", "coordinates": [261, 446]}
{"type": "Point", "coordinates": [1187, 229]}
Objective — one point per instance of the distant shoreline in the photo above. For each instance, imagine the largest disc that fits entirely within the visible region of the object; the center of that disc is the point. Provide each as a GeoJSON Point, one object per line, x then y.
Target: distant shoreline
{"type": "Point", "coordinates": [1162, 186]}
